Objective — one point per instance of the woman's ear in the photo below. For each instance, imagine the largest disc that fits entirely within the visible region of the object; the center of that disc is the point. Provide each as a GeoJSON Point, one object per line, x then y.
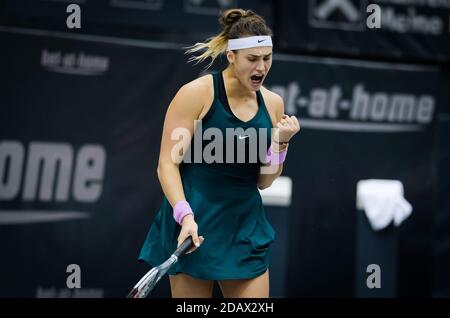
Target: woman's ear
{"type": "Point", "coordinates": [230, 57]}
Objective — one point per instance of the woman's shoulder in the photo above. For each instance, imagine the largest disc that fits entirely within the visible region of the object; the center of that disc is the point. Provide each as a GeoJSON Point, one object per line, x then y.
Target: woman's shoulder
{"type": "Point", "coordinates": [200, 85]}
{"type": "Point", "coordinates": [196, 95]}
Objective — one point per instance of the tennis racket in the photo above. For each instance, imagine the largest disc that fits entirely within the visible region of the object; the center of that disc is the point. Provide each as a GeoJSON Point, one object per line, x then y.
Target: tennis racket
{"type": "Point", "coordinates": [149, 280]}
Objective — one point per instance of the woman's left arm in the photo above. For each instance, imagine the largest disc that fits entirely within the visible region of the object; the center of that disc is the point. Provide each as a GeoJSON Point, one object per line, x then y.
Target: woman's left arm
{"type": "Point", "coordinates": [284, 128]}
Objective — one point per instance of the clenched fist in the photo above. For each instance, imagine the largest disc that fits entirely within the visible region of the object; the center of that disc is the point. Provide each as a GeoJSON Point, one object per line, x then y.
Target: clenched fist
{"type": "Point", "coordinates": [287, 127]}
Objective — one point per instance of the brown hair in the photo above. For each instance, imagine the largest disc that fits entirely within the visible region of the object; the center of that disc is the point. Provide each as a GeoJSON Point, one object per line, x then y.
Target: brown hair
{"type": "Point", "coordinates": [236, 23]}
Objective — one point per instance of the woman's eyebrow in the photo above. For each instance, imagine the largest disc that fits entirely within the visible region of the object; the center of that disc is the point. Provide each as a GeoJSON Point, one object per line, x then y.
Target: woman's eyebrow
{"type": "Point", "coordinates": [253, 55]}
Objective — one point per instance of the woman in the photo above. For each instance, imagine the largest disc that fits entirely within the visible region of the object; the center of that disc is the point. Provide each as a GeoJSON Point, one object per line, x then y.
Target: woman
{"type": "Point", "coordinates": [220, 199]}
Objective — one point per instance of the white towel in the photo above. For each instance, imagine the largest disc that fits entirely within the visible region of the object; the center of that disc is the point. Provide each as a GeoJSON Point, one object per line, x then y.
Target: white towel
{"type": "Point", "coordinates": [383, 202]}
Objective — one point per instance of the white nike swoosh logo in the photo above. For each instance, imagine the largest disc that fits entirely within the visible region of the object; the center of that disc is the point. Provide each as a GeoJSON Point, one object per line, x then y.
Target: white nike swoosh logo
{"type": "Point", "coordinates": [243, 137]}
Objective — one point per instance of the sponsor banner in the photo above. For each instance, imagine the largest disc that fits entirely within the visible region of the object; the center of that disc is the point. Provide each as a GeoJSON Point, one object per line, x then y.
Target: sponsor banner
{"type": "Point", "coordinates": [359, 120]}
{"type": "Point", "coordinates": [413, 29]}
{"type": "Point", "coordinates": [356, 96]}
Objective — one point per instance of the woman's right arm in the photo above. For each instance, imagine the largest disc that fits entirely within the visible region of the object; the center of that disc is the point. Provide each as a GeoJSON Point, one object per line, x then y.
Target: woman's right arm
{"type": "Point", "coordinates": [182, 112]}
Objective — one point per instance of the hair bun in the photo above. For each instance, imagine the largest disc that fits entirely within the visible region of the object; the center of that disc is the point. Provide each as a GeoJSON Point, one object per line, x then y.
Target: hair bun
{"type": "Point", "coordinates": [229, 17]}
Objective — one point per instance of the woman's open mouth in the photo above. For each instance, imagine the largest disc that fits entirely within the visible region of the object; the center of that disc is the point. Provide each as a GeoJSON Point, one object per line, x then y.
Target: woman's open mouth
{"type": "Point", "coordinates": [257, 79]}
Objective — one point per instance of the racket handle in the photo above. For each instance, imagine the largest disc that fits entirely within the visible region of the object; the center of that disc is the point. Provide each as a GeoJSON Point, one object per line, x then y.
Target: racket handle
{"type": "Point", "coordinates": [184, 247]}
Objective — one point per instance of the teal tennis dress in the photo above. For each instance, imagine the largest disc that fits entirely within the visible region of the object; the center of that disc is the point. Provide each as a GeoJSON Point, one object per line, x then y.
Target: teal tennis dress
{"type": "Point", "coordinates": [226, 204]}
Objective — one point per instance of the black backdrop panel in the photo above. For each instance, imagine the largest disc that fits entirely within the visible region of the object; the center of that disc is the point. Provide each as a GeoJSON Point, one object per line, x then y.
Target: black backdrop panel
{"type": "Point", "coordinates": [409, 29]}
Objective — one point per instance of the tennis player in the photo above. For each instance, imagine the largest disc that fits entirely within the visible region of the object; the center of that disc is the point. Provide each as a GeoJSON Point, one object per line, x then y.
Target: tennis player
{"type": "Point", "coordinates": [220, 199]}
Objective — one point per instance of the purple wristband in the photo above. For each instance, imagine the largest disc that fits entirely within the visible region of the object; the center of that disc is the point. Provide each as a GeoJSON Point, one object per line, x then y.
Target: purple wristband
{"type": "Point", "coordinates": [180, 210]}
{"type": "Point", "coordinates": [276, 158]}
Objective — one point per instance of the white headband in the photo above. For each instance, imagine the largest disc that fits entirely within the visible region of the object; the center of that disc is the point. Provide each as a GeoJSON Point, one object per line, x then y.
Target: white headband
{"type": "Point", "coordinates": [252, 41]}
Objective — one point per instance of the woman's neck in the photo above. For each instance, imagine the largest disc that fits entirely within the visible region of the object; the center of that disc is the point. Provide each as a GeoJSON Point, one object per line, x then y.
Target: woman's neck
{"type": "Point", "coordinates": [234, 87]}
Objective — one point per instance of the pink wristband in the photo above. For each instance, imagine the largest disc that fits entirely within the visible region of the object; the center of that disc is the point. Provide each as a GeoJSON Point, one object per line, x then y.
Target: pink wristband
{"type": "Point", "coordinates": [180, 210]}
{"type": "Point", "coordinates": [276, 158]}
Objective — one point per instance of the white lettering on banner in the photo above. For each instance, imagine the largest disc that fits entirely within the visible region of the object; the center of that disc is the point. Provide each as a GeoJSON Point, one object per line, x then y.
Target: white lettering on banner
{"type": "Point", "coordinates": [394, 107]}
{"type": "Point", "coordinates": [410, 21]}
{"type": "Point", "coordinates": [365, 111]}
{"type": "Point", "coordinates": [77, 63]}
{"type": "Point", "coordinates": [49, 171]}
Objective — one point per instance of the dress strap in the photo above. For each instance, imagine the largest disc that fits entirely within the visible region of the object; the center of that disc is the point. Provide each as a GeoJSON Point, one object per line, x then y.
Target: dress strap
{"type": "Point", "coordinates": [222, 95]}
{"type": "Point", "coordinates": [215, 76]}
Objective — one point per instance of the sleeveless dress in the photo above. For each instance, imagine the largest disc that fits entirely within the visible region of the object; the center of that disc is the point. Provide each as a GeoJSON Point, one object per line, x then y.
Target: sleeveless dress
{"type": "Point", "coordinates": [226, 203]}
